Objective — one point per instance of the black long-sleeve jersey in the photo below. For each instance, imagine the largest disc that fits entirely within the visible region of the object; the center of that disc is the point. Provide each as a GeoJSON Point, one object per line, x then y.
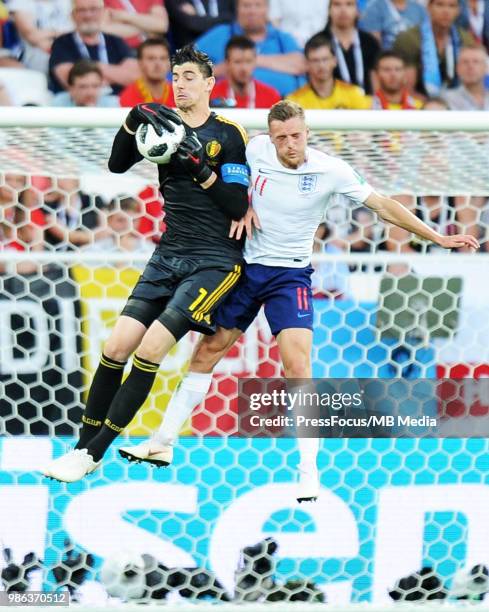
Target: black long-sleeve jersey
{"type": "Point", "coordinates": [197, 224]}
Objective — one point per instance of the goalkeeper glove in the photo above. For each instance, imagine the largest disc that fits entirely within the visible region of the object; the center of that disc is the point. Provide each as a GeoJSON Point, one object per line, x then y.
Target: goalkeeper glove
{"type": "Point", "coordinates": [190, 153]}
{"type": "Point", "coordinates": [157, 115]}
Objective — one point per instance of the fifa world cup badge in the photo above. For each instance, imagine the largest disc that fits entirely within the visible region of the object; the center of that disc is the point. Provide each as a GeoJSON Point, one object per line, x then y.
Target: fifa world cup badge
{"type": "Point", "coordinates": [307, 183]}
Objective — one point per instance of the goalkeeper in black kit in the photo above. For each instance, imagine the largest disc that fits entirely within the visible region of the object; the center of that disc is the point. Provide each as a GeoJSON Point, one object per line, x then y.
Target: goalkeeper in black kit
{"type": "Point", "coordinates": [191, 271]}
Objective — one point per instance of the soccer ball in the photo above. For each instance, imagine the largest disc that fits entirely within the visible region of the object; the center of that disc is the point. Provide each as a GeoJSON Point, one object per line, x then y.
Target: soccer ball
{"type": "Point", "coordinates": [158, 149]}
{"type": "Point", "coordinates": [124, 576]}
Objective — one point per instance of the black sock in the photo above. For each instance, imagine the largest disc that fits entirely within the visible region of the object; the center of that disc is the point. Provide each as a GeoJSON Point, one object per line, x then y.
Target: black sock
{"type": "Point", "coordinates": [127, 401]}
{"type": "Point", "coordinates": [105, 384]}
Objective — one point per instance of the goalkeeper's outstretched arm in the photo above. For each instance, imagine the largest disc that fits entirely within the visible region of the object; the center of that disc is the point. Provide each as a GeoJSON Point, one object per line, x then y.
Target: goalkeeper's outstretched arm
{"type": "Point", "coordinates": [394, 212]}
{"type": "Point", "coordinates": [124, 152]}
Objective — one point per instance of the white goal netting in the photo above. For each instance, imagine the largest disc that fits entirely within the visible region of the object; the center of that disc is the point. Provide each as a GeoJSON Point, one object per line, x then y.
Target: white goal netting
{"type": "Point", "coordinates": [222, 523]}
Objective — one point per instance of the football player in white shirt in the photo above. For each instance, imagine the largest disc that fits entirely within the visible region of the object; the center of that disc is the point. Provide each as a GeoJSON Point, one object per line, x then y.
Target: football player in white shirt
{"type": "Point", "coordinates": [291, 185]}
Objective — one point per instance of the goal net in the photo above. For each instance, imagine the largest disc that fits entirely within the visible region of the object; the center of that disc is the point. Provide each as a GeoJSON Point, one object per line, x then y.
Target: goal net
{"type": "Point", "coordinates": [222, 523]}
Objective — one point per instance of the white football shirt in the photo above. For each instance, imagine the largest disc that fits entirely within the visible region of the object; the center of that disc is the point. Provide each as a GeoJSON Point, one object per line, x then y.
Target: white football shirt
{"type": "Point", "coordinates": [291, 203]}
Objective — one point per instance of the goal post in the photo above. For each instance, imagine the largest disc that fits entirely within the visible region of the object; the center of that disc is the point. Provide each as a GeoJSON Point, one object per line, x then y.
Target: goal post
{"type": "Point", "coordinates": [464, 121]}
{"type": "Point", "coordinates": [388, 506]}
{"type": "Point", "coordinates": [398, 152]}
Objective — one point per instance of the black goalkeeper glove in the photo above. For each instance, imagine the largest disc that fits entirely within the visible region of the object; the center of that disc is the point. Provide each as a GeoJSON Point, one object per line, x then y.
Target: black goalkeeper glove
{"type": "Point", "coordinates": [157, 115]}
{"type": "Point", "coordinates": [190, 154]}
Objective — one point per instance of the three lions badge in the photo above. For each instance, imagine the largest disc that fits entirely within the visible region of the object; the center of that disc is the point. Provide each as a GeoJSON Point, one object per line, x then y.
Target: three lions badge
{"type": "Point", "coordinates": [307, 183]}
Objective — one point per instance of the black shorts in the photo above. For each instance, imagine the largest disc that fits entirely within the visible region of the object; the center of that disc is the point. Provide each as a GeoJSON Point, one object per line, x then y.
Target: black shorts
{"type": "Point", "coordinates": [192, 287]}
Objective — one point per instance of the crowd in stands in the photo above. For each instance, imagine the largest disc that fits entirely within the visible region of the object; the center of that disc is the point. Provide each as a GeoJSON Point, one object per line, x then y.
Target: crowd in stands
{"type": "Point", "coordinates": [54, 214]}
{"type": "Point", "coordinates": [324, 54]}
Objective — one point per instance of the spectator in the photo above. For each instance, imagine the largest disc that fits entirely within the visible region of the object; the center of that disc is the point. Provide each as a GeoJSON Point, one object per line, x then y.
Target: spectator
{"type": "Point", "coordinates": [89, 42]}
{"type": "Point", "coordinates": [154, 66]}
{"type": "Point", "coordinates": [392, 93]}
{"type": "Point", "coordinates": [11, 186]}
{"type": "Point", "coordinates": [5, 99]}
{"type": "Point", "coordinates": [300, 19]}
{"type": "Point", "coordinates": [21, 226]}
{"type": "Point", "coordinates": [472, 216]}
{"type": "Point", "coordinates": [38, 23]}
{"type": "Point", "coordinates": [151, 224]}
{"type": "Point", "coordinates": [3, 12]}
{"type": "Point", "coordinates": [432, 48]}
{"type": "Point", "coordinates": [121, 235]}
{"type": "Point", "coordinates": [365, 234]}
{"type": "Point", "coordinates": [134, 20]}
{"type": "Point", "coordinates": [323, 90]}
{"type": "Point", "coordinates": [71, 216]}
{"type": "Point", "coordinates": [191, 18]}
{"type": "Point", "coordinates": [435, 104]}
{"type": "Point", "coordinates": [355, 50]}
{"type": "Point", "coordinates": [385, 19]}
{"type": "Point", "coordinates": [85, 84]}
{"type": "Point", "coordinates": [240, 89]}
{"type": "Point", "coordinates": [472, 93]}
{"type": "Point", "coordinates": [474, 17]}
{"type": "Point", "coordinates": [280, 62]}
{"type": "Point", "coordinates": [441, 213]}
{"type": "Point", "coordinates": [26, 236]}
{"type": "Point", "coordinates": [10, 44]}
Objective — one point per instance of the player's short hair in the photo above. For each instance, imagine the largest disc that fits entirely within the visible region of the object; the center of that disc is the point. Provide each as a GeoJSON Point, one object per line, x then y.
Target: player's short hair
{"type": "Point", "coordinates": [285, 110]}
{"type": "Point", "coordinates": [239, 42]}
{"type": "Point", "coordinates": [81, 68]}
{"type": "Point", "coordinates": [190, 54]}
{"type": "Point", "coordinates": [388, 54]}
{"type": "Point", "coordinates": [317, 41]}
{"type": "Point", "coordinates": [152, 42]}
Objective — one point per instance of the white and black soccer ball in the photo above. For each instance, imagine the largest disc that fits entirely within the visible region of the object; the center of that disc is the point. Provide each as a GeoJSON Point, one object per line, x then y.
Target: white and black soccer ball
{"type": "Point", "coordinates": [124, 575]}
{"type": "Point", "coordinates": [158, 149]}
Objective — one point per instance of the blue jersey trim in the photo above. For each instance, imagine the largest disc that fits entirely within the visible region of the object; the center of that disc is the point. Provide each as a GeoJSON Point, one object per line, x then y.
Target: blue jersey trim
{"type": "Point", "coordinates": [235, 173]}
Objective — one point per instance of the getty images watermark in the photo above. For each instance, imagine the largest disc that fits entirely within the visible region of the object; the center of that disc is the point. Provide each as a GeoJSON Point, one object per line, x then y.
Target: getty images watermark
{"type": "Point", "coordinates": [357, 408]}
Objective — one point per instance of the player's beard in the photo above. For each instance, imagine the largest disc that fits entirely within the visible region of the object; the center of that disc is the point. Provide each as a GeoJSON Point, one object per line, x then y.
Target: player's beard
{"type": "Point", "coordinates": [293, 160]}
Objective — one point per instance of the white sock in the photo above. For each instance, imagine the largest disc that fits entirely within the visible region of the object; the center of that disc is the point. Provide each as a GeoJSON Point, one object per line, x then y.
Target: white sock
{"type": "Point", "coordinates": [308, 452]}
{"type": "Point", "coordinates": [189, 395]}
{"type": "Point", "coordinates": [308, 447]}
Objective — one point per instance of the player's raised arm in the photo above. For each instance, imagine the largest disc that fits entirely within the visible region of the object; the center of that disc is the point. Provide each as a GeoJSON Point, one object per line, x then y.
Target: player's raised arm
{"type": "Point", "coordinates": [394, 212]}
{"type": "Point", "coordinates": [124, 152]}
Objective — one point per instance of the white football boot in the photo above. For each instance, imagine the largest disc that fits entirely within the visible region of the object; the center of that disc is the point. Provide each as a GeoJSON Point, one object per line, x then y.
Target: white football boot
{"type": "Point", "coordinates": [308, 485]}
{"type": "Point", "coordinates": [149, 451]}
{"type": "Point", "coordinates": [72, 466]}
